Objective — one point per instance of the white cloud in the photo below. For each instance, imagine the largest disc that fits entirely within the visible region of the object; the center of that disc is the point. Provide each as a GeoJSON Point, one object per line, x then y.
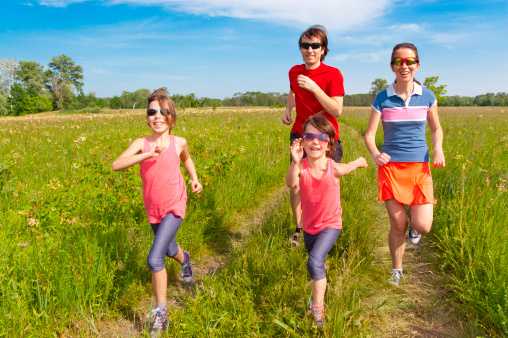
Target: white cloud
{"type": "Point", "coordinates": [335, 15]}
{"type": "Point", "coordinates": [412, 27]}
{"type": "Point", "coordinates": [371, 57]}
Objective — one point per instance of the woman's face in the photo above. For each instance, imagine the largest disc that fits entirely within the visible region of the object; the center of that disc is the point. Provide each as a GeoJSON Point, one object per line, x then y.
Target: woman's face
{"type": "Point", "coordinates": [405, 73]}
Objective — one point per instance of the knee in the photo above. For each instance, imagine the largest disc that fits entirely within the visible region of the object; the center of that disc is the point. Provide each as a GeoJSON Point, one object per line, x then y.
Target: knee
{"type": "Point", "coordinates": [155, 264]}
{"type": "Point", "coordinates": [316, 268]}
{"type": "Point", "coordinates": [399, 226]}
{"type": "Point", "coordinates": [423, 226]}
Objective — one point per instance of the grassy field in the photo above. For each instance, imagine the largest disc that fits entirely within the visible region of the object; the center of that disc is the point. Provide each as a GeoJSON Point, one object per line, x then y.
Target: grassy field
{"type": "Point", "coordinates": [77, 236]}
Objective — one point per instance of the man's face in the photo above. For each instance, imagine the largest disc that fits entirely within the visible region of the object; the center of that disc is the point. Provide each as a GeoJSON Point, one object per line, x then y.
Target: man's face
{"type": "Point", "coordinates": [311, 57]}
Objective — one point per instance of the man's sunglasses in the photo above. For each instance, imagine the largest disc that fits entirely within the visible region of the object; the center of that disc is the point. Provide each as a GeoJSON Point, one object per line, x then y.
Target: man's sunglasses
{"type": "Point", "coordinates": [322, 138]}
{"type": "Point", "coordinates": [407, 61]}
{"type": "Point", "coordinates": [152, 112]}
{"type": "Point", "coordinates": [314, 45]}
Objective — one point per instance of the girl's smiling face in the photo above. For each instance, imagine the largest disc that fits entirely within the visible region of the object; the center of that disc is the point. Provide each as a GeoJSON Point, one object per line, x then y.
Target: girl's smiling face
{"type": "Point", "coordinates": [314, 148]}
{"type": "Point", "coordinates": [159, 123]}
{"type": "Point", "coordinates": [405, 73]}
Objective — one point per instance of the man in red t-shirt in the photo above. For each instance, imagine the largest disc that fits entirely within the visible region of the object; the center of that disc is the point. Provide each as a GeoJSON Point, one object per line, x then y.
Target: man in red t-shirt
{"type": "Point", "coordinates": [315, 88]}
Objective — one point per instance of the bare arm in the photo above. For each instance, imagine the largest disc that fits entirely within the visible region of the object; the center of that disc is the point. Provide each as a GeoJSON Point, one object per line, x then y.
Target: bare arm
{"type": "Point", "coordinates": [370, 139]}
{"type": "Point", "coordinates": [290, 104]}
{"type": "Point", "coordinates": [134, 154]}
{"type": "Point", "coordinates": [342, 169]}
{"type": "Point", "coordinates": [437, 137]}
{"type": "Point", "coordinates": [333, 105]}
{"type": "Point", "coordinates": [189, 166]}
{"type": "Point", "coordinates": [293, 175]}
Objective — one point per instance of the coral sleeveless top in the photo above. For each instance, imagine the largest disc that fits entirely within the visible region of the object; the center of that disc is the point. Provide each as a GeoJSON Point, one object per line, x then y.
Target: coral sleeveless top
{"type": "Point", "coordinates": [320, 200]}
{"type": "Point", "coordinates": [163, 184]}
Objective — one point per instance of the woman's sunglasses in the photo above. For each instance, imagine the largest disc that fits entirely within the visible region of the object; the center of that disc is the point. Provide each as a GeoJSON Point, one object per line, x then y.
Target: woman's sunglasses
{"type": "Point", "coordinates": [322, 138]}
{"type": "Point", "coordinates": [407, 61]}
{"type": "Point", "coordinates": [314, 45]}
{"type": "Point", "coordinates": [152, 112]}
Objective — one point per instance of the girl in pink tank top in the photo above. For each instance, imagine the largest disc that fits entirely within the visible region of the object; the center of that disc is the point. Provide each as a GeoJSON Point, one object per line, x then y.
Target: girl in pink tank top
{"type": "Point", "coordinates": [318, 180]}
{"type": "Point", "coordinates": [164, 194]}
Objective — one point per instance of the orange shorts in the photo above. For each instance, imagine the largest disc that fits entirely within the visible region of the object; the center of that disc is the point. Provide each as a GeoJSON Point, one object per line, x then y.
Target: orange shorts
{"type": "Point", "coordinates": [409, 183]}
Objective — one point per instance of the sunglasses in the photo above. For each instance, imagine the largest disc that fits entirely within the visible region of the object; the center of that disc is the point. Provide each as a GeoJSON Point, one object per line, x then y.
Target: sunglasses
{"type": "Point", "coordinates": [322, 138]}
{"type": "Point", "coordinates": [314, 45]}
{"type": "Point", "coordinates": [152, 112]}
{"type": "Point", "coordinates": [407, 61]}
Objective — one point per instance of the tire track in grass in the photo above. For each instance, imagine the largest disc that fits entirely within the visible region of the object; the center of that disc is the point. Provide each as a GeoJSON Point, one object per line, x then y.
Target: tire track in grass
{"type": "Point", "coordinates": [421, 306]}
{"type": "Point", "coordinates": [135, 324]}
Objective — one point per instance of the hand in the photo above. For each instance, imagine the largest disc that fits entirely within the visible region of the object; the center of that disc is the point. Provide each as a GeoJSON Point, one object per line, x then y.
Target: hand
{"type": "Point", "coordinates": [306, 83]}
{"type": "Point", "coordinates": [361, 162]}
{"type": "Point", "coordinates": [296, 150]}
{"type": "Point", "coordinates": [196, 187]}
{"type": "Point", "coordinates": [438, 161]}
{"type": "Point", "coordinates": [381, 158]}
{"type": "Point", "coordinates": [286, 119]}
{"type": "Point", "coordinates": [155, 150]}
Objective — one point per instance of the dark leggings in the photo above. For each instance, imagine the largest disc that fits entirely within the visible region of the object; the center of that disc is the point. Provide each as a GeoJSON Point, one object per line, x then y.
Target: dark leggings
{"type": "Point", "coordinates": [164, 243]}
{"type": "Point", "coordinates": [318, 246]}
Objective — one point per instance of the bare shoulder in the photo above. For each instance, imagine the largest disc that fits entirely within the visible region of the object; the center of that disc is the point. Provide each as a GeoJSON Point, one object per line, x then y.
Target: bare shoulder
{"type": "Point", "coordinates": [180, 143]}
{"type": "Point", "coordinates": [138, 144]}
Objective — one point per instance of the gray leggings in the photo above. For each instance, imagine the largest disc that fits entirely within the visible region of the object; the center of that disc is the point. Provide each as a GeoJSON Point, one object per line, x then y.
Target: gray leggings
{"type": "Point", "coordinates": [318, 246]}
{"type": "Point", "coordinates": [164, 243]}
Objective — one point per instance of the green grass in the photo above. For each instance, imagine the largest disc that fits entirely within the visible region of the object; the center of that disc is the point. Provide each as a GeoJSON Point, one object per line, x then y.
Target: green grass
{"type": "Point", "coordinates": [78, 235]}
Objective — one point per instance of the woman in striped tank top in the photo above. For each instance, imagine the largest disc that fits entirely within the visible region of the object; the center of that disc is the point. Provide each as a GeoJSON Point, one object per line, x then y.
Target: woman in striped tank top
{"type": "Point", "coordinates": [404, 176]}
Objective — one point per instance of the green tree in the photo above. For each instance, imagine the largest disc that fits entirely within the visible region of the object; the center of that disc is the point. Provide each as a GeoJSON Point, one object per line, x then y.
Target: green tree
{"type": "Point", "coordinates": [137, 99]}
{"type": "Point", "coordinates": [439, 91]}
{"type": "Point", "coordinates": [7, 70]}
{"type": "Point", "coordinates": [63, 79]}
{"type": "Point", "coordinates": [3, 105]}
{"type": "Point", "coordinates": [378, 85]}
{"type": "Point", "coordinates": [31, 75]}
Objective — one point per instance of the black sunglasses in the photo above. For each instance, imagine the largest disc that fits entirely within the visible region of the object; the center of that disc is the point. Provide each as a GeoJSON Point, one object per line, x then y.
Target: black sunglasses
{"type": "Point", "coordinates": [314, 45]}
{"type": "Point", "coordinates": [152, 112]}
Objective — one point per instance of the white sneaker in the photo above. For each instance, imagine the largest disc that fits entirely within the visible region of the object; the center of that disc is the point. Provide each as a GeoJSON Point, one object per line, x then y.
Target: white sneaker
{"type": "Point", "coordinates": [414, 237]}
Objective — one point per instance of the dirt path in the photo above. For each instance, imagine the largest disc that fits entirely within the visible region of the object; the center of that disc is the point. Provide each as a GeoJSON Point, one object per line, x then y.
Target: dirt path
{"type": "Point", "coordinates": [134, 325]}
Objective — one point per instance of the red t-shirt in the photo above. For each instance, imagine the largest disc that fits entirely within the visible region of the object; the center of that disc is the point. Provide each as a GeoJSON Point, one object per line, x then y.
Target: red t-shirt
{"type": "Point", "coordinates": [329, 79]}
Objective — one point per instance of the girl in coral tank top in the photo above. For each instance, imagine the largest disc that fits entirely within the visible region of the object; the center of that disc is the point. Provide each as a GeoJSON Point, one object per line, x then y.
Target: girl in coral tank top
{"type": "Point", "coordinates": [318, 179]}
{"type": "Point", "coordinates": [164, 194]}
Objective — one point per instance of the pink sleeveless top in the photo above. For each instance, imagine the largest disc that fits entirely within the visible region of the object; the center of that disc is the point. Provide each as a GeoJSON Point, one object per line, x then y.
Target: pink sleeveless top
{"type": "Point", "coordinates": [163, 184]}
{"type": "Point", "coordinates": [320, 200]}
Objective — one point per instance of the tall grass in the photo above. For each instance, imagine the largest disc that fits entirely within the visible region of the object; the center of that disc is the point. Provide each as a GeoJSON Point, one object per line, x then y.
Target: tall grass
{"type": "Point", "coordinates": [471, 215]}
{"type": "Point", "coordinates": [76, 233]}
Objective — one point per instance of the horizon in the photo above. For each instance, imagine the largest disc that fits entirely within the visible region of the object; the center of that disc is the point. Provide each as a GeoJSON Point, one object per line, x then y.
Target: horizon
{"type": "Point", "coordinates": [218, 49]}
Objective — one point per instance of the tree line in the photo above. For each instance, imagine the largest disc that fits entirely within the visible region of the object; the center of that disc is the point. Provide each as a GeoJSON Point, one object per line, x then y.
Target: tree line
{"type": "Point", "coordinates": [26, 87]}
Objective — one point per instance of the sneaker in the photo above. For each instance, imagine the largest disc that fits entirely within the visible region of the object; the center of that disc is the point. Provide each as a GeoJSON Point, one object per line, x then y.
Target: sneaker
{"type": "Point", "coordinates": [318, 313]}
{"type": "Point", "coordinates": [395, 278]}
{"type": "Point", "coordinates": [187, 272]}
{"type": "Point", "coordinates": [159, 318]}
{"type": "Point", "coordinates": [414, 237]}
{"type": "Point", "coordinates": [295, 239]}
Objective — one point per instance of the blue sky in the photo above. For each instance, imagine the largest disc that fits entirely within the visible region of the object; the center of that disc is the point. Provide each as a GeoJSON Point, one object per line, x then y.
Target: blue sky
{"type": "Point", "coordinates": [216, 48]}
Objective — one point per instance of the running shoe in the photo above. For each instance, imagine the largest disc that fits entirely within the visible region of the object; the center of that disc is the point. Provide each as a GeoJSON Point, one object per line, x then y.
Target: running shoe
{"type": "Point", "coordinates": [187, 272]}
{"type": "Point", "coordinates": [159, 318]}
{"type": "Point", "coordinates": [414, 237]}
{"type": "Point", "coordinates": [395, 278]}
{"type": "Point", "coordinates": [295, 239]}
{"type": "Point", "coordinates": [318, 313]}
